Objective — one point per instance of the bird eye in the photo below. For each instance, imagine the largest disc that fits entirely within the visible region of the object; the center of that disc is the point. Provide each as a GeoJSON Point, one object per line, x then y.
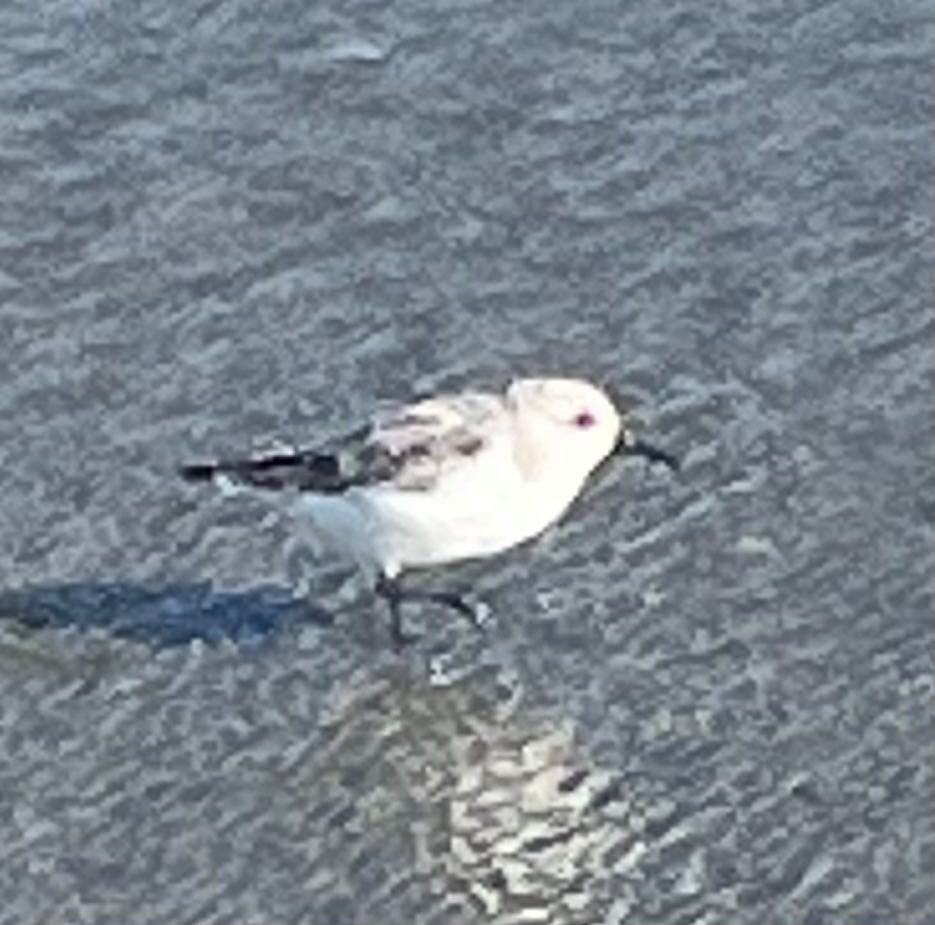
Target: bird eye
{"type": "Point", "coordinates": [585, 419]}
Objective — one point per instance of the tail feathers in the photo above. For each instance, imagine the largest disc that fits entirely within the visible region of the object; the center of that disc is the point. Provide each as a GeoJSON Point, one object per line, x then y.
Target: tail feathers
{"type": "Point", "coordinates": [199, 472]}
{"type": "Point", "coordinates": [304, 471]}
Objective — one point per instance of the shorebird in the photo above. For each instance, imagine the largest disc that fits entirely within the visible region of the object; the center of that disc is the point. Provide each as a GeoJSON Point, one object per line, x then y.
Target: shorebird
{"type": "Point", "coordinates": [442, 479]}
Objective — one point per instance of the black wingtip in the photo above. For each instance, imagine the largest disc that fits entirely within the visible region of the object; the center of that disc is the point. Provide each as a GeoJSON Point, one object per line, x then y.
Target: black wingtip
{"type": "Point", "coordinates": [198, 473]}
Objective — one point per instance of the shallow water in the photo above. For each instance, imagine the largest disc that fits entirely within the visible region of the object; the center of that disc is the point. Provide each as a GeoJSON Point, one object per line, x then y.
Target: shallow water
{"type": "Point", "coordinates": [703, 698]}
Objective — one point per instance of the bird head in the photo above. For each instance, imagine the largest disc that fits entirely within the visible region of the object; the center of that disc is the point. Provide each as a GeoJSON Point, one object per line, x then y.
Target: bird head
{"type": "Point", "coordinates": [572, 425]}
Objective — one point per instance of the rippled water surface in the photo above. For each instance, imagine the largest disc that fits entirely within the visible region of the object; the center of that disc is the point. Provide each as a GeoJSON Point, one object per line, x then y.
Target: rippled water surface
{"type": "Point", "coordinates": [700, 699]}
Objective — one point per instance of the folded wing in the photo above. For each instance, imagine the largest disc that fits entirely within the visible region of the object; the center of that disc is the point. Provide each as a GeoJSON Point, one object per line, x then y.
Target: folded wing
{"type": "Point", "coordinates": [410, 448]}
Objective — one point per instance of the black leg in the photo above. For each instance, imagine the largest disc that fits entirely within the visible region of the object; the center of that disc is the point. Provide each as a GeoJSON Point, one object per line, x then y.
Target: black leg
{"type": "Point", "coordinates": [394, 594]}
{"type": "Point", "coordinates": [454, 601]}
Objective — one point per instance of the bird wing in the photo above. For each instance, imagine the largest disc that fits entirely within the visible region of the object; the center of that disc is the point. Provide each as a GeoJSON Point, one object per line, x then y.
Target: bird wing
{"type": "Point", "coordinates": [415, 446]}
{"type": "Point", "coordinates": [410, 448]}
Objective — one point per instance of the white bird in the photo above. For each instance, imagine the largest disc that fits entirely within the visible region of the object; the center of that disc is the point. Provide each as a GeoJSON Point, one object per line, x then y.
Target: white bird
{"type": "Point", "coordinates": [446, 478]}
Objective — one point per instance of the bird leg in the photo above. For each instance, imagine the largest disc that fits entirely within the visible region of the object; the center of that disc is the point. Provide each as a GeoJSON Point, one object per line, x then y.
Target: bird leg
{"type": "Point", "coordinates": [395, 595]}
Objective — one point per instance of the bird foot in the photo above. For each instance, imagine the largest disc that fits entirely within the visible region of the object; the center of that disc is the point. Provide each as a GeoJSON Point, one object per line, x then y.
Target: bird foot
{"type": "Point", "coordinates": [395, 595]}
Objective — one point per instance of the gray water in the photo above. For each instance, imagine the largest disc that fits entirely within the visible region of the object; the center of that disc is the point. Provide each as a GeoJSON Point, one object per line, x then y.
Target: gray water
{"type": "Point", "coordinates": [702, 698]}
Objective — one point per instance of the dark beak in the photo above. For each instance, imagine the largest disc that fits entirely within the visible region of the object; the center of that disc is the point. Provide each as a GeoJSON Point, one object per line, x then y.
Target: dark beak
{"type": "Point", "coordinates": [627, 445]}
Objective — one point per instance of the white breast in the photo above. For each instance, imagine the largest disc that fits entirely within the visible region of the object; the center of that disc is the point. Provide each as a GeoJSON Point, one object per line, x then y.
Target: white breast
{"type": "Point", "coordinates": [413, 529]}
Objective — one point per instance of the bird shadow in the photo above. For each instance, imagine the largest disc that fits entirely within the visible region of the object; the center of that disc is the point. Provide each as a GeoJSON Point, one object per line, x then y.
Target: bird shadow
{"type": "Point", "coordinates": [162, 615]}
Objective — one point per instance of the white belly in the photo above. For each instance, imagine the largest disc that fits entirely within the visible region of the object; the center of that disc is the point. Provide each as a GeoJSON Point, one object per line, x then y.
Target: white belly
{"type": "Point", "coordinates": [413, 528]}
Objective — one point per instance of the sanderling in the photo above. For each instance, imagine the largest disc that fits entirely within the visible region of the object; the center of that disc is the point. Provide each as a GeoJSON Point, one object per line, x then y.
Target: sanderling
{"type": "Point", "coordinates": [445, 478]}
